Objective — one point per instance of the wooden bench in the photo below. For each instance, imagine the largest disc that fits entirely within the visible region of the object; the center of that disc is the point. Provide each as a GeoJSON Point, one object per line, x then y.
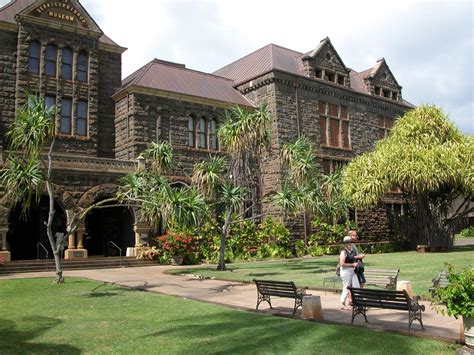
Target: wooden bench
{"type": "Point", "coordinates": [286, 289]}
{"type": "Point", "coordinates": [440, 282]}
{"type": "Point", "coordinates": [387, 299]}
{"type": "Point", "coordinates": [386, 279]}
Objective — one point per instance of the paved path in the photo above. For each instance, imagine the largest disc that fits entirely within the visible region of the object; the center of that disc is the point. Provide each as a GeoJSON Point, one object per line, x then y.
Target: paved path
{"type": "Point", "coordinates": [243, 296]}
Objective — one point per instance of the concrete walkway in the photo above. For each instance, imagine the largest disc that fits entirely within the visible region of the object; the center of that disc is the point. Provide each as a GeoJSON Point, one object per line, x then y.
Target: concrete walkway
{"type": "Point", "coordinates": [243, 296]}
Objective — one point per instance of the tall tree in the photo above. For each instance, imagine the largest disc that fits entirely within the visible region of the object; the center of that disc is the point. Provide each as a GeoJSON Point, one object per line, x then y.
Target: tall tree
{"type": "Point", "coordinates": [210, 178]}
{"type": "Point", "coordinates": [430, 162]}
{"type": "Point", "coordinates": [26, 174]}
{"type": "Point", "coordinates": [304, 189]}
{"type": "Point", "coordinates": [232, 189]}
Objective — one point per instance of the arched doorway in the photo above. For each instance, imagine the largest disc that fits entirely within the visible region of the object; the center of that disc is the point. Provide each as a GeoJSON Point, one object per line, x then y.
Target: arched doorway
{"type": "Point", "coordinates": [109, 224]}
{"type": "Point", "coordinates": [27, 230]}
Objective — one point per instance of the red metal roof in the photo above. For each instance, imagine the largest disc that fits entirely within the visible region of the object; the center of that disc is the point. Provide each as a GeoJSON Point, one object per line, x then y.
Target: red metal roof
{"type": "Point", "coordinates": [261, 61]}
{"type": "Point", "coordinates": [273, 57]}
{"type": "Point", "coordinates": [173, 77]}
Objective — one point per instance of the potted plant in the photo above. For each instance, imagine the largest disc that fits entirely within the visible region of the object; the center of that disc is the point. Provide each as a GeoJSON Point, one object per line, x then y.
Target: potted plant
{"type": "Point", "coordinates": [458, 299]}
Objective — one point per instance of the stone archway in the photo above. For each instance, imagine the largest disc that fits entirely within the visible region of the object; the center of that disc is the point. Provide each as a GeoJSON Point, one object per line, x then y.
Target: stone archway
{"type": "Point", "coordinates": [106, 227]}
{"type": "Point", "coordinates": [27, 238]}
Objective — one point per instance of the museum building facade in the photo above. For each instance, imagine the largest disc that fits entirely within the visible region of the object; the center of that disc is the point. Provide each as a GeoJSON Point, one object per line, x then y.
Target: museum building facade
{"type": "Point", "coordinates": [56, 50]}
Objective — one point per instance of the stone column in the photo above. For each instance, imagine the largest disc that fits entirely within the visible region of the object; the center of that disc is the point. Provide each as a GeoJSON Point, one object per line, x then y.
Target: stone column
{"type": "Point", "coordinates": [80, 237]}
{"type": "Point", "coordinates": [78, 252]}
{"type": "Point", "coordinates": [72, 241]}
{"type": "Point", "coordinates": [4, 253]}
{"type": "Point", "coordinates": [138, 239]}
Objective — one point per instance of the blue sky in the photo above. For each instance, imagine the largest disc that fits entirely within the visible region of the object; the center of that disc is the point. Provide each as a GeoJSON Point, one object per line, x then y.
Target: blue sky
{"type": "Point", "coordinates": [427, 45]}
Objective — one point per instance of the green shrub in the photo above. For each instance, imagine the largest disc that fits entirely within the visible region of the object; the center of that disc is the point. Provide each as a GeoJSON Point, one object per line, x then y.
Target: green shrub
{"type": "Point", "coordinates": [468, 232]}
{"type": "Point", "coordinates": [458, 296]}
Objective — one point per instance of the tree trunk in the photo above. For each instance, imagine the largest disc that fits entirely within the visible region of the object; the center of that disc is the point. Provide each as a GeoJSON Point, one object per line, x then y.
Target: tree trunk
{"type": "Point", "coordinates": [424, 225]}
{"type": "Point", "coordinates": [225, 230]}
{"type": "Point", "coordinates": [54, 244]}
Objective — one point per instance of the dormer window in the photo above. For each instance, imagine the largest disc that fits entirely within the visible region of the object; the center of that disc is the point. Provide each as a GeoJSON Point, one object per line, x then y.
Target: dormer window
{"type": "Point", "coordinates": [340, 79]}
{"type": "Point", "coordinates": [331, 77]}
{"type": "Point", "coordinates": [386, 93]}
{"type": "Point", "coordinates": [319, 73]}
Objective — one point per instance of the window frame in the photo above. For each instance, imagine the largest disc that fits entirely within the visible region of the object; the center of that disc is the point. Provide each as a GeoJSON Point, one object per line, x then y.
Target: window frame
{"type": "Point", "coordinates": [34, 59]}
{"type": "Point", "coordinates": [51, 62]}
{"type": "Point", "coordinates": [66, 117]}
{"type": "Point", "coordinates": [332, 118]}
{"type": "Point", "coordinates": [203, 133]}
{"type": "Point", "coordinates": [65, 66]}
{"type": "Point", "coordinates": [85, 70]}
{"type": "Point", "coordinates": [79, 118]}
{"type": "Point", "coordinates": [191, 131]}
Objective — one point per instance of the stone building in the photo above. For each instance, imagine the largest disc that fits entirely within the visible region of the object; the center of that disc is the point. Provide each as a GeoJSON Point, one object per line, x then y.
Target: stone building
{"type": "Point", "coordinates": [56, 50]}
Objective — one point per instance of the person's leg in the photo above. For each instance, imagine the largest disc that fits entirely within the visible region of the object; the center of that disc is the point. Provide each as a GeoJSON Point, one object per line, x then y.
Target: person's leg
{"type": "Point", "coordinates": [346, 279]}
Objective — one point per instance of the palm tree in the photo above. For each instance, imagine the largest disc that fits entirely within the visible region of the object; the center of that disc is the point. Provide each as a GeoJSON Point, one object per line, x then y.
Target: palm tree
{"type": "Point", "coordinates": [26, 174]}
{"type": "Point", "coordinates": [244, 134]}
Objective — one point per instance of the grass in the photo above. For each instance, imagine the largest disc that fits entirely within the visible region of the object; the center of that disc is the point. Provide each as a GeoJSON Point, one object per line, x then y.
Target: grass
{"type": "Point", "coordinates": [89, 317]}
{"type": "Point", "coordinates": [419, 268]}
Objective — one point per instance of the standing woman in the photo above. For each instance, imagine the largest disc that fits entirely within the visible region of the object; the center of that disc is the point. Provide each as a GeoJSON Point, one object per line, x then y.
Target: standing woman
{"type": "Point", "coordinates": [348, 263]}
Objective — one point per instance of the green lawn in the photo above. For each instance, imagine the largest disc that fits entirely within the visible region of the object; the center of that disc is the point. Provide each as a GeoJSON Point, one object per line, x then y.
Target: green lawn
{"type": "Point", "coordinates": [419, 268]}
{"type": "Point", "coordinates": [90, 317]}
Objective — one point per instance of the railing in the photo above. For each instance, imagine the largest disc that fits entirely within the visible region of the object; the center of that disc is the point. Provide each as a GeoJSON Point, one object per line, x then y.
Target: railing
{"type": "Point", "coordinates": [38, 245]}
{"type": "Point", "coordinates": [115, 246]}
{"type": "Point", "coordinates": [109, 243]}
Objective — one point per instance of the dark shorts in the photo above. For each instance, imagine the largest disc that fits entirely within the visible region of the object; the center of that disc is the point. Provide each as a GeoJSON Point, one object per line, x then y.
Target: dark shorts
{"type": "Point", "coordinates": [361, 277]}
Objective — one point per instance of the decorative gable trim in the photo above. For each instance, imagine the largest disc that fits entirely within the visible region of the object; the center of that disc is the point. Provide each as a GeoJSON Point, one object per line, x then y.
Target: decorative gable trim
{"type": "Point", "coordinates": [325, 63]}
{"type": "Point", "coordinates": [324, 48]}
{"type": "Point", "coordinates": [63, 13]}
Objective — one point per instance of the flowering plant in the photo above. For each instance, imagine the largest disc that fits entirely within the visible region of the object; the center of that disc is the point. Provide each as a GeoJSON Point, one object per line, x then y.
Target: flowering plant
{"type": "Point", "coordinates": [148, 253]}
{"type": "Point", "coordinates": [174, 244]}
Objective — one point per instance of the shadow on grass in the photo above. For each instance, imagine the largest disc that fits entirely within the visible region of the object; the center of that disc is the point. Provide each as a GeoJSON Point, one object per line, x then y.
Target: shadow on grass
{"type": "Point", "coordinates": [258, 274]}
{"type": "Point", "coordinates": [246, 333]}
{"type": "Point", "coordinates": [14, 341]}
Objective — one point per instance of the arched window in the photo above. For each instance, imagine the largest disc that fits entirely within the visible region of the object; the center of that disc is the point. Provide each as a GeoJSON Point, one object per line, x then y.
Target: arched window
{"type": "Point", "coordinates": [66, 65]}
{"type": "Point", "coordinates": [51, 58]}
{"type": "Point", "coordinates": [82, 67]}
{"type": "Point", "coordinates": [202, 133]}
{"type": "Point", "coordinates": [213, 134]}
{"type": "Point", "coordinates": [191, 131]}
{"type": "Point", "coordinates": [34, 57]}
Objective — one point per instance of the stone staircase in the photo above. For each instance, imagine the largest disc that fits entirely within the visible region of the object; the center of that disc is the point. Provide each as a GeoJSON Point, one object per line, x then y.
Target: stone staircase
{"type": "Point", "coordinates": [90, 263]}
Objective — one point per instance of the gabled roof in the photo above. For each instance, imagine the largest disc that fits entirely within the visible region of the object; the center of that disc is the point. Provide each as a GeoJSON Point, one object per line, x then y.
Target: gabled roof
{"type": "Point", "coordinates": [325, 42]}
{"type": "Point", "coordinates": [14, 7]}
{"type": "Point", "coordinates": [381, 63]}
{"type": "Point", "coordinates": [274, 57]}
{"type": "Point", "coordinates": [172, 77]}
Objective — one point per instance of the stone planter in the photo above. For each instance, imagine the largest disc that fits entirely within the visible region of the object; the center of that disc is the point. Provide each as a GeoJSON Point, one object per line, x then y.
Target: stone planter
{"type": "Point", "coordinates": [469, 331]}
{"type": "Point", "coordinates": [177, 260]}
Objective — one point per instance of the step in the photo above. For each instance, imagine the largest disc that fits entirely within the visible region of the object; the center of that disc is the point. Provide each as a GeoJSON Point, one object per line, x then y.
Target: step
{"type": "Point", "coordinates": [23, 266]}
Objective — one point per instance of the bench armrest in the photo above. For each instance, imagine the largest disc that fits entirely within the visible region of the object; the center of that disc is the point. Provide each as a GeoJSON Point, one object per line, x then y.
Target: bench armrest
{"type": "Point", "coordinates": [415, 305]}
{"type": "Point", "coordinates": [301, 291]}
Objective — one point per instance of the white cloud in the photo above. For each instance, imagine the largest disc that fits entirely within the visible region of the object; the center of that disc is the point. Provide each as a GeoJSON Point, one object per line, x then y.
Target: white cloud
{"type": "Point", "coordinates": [428, 45]}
